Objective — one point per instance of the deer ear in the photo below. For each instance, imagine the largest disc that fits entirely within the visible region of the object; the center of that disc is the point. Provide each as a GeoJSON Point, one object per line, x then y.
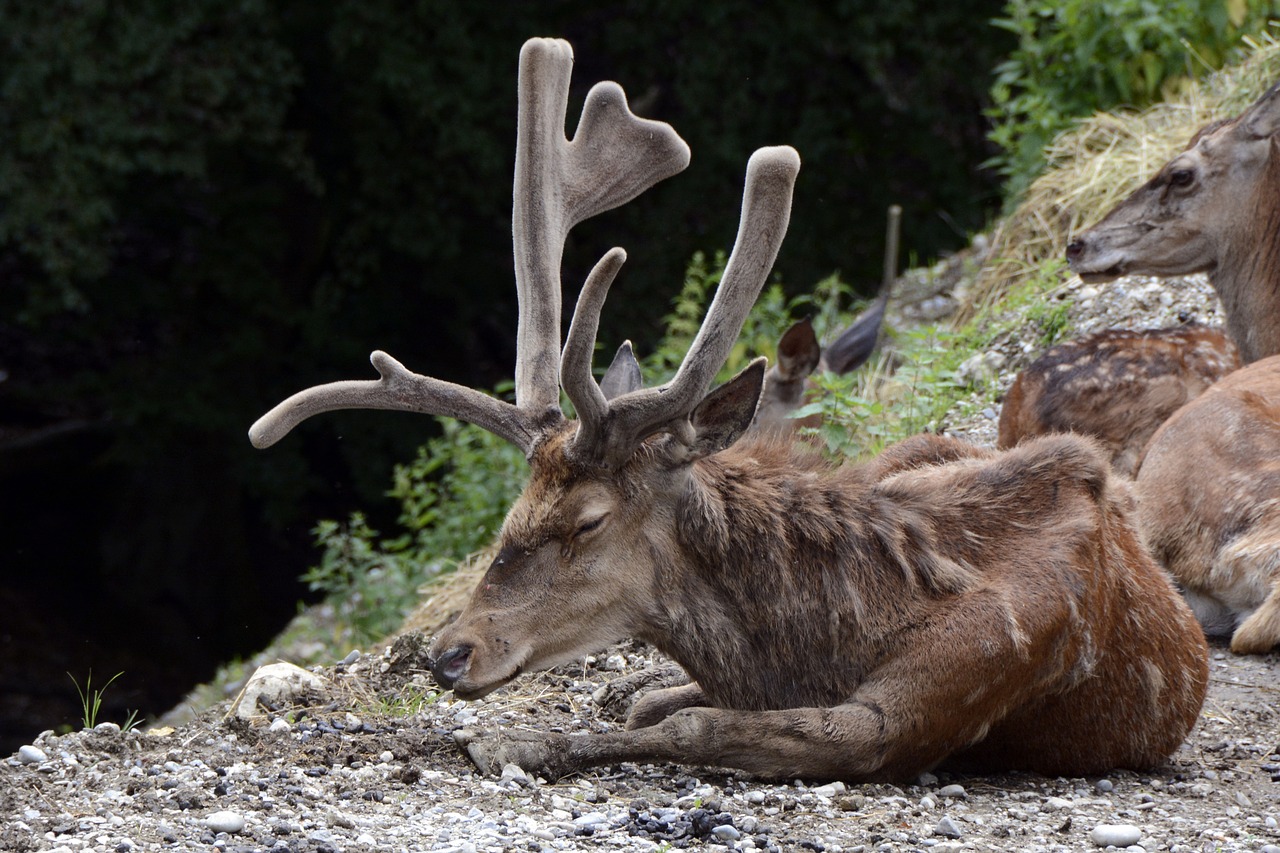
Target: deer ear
{"type": "Point", "coordinates": [726, 413]}
{"type": "Point", "coordinates": [798, 351]}
{"type": "Point", "coordinates": [623, 375]}
{"type": "Point", "coordinates": [1263, 118]}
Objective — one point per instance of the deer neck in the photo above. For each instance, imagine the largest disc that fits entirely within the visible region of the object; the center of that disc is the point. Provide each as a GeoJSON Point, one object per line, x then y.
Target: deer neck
{"type": "Point", "coordinates": [777, 592]}
{"type": "Point", "coordinates": [1247, 278]}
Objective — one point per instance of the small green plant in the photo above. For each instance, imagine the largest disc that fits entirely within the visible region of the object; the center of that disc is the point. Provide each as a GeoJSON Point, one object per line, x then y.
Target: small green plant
{"type": "Point", "coordinates": [1076, 57]}
{"type": "Point", "coordinates": [91, 701]}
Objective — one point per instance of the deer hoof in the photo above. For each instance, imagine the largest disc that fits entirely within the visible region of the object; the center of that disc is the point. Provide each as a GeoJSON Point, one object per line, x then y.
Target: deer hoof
{"type": "Point", "coordinates": [536, 753]}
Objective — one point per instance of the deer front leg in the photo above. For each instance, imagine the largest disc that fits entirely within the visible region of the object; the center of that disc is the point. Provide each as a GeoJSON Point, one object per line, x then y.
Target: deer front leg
{"type": "Point", "coordinates": [1260, 633]}
{"type": "Point", "coordinates": [846, 742]}
{"type": "Point", "coordinates": [657, 705]}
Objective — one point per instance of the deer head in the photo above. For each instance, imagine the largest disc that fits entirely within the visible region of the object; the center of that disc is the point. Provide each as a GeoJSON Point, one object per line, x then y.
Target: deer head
{"type": "Point", "coordinates": [574, 535]}
{"type": "Point", "coordinates": [1213, 208]}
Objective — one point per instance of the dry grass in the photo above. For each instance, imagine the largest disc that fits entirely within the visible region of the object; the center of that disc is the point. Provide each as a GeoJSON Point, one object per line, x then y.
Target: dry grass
{"type": "Point", "coordinates": [1101, 161]}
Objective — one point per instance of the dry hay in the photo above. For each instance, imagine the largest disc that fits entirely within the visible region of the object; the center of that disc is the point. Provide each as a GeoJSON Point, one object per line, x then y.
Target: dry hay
{"type": "Point", "coordinates": [444, 596]}
{"type": "Point", "coordinates": [1101, 161]}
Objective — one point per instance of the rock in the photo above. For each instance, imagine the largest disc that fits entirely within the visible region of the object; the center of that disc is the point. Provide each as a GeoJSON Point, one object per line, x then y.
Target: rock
{"type": "Point", "coordinates": [1115, 835]}
{"type": "Point", "coordinates": [1104, 786]}
{"type": "Point", "coordinates": [726, 832]}
{"type": "Point", "coordinates": [31, 755]}
{"type": "Point", "coordinates": [947, 828]}
{"type": "Point", "coordinates": [273, 684]}
{"type": "Point", "coordinates": [956, 791]}
{"type": "Point", "coordinates": [224, 821]}
{"type": "Point", "coordinates": [514, 773]}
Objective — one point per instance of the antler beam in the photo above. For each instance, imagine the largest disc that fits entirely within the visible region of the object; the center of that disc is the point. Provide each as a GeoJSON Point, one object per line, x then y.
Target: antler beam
{"type": "Point", "coordinates": [613, 157]}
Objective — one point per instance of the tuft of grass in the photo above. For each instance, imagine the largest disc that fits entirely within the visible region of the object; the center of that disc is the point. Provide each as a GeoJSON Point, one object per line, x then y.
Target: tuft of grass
{"type": "Point", "coordinates": [1098, 163]}
{"type": "Point", "coordinates": [91, 701]}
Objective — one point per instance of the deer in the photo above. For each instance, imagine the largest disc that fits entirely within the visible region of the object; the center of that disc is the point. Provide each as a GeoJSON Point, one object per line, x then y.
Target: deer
{"type": "Point", "coordinates": [1213, 208]}
{"type": "Point", "coordinates": [799, 355]}
{"type": "Point", "coordinates": [940, 604]}
{"type": "Point", "coordinates": [1209, 507]}
{"type": "Point", "coordinates": [1116, 385]}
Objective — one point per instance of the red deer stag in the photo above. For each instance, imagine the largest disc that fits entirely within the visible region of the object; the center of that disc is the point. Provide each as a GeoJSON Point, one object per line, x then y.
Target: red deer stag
{"type": "Point", "coordinates": [1117, 386]}
{"type": "Point", "coordinates": [861, 622]}
{"type": "Point", "coordinates": [1210, 505]}
{"type": "Point", "coordinates": [1214, 208]}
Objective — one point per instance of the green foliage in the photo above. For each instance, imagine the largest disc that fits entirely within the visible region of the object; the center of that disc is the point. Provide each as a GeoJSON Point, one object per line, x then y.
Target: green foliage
{"type": "Point", "coordinates": [452, 499]}
{"type": "Point", "coordinates": [865, 411]}
{"type": "Point", "coordinates": [1075, 57]}
{"type": "Point", "coordinates": [91, 701]}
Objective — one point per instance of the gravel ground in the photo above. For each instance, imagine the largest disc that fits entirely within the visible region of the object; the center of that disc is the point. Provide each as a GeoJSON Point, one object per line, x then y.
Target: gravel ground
{"type": "Point", "coordinates": [367, 762]}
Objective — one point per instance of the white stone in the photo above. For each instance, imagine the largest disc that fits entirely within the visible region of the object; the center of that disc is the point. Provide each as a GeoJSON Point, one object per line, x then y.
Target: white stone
{"type": "Point", "coordinates": [31, 755]}
{"type": "Point", "coordinates": [1115, 835]}
{"type": "Point", "coordinates": [224, 822]}
{"type": "Point", "coordinates": [273, 684]}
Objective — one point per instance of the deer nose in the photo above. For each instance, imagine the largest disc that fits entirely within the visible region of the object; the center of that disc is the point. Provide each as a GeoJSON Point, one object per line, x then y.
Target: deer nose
{"type": "Point", "coordinates": [451, 666]}
{"type": "Point", "coordinates": [1075, 249]}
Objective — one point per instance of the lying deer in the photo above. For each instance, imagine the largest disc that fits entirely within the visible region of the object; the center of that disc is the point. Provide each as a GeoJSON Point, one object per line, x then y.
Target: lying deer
{"type": "Point", "coordinates": [1117, 386]}
{"type": "Point", "coordinates": [941, 603]}
{"type": "Point", "coordinates": [1214, 208]}
{"type": "Point", "coordinates": [1210, 505]}
{"type": "Point", "coordinates": [799, 354]}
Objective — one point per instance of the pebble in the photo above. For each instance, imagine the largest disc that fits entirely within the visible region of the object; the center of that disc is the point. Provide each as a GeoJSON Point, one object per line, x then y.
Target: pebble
{"type": "Point", "coordinates": [1115, 835]}
{"type": "Point", "coordinates": [224, 821]}
{"type": "Point", "coordinates": [956, 791]}
{"type": "Point", "coordinates": [726, 832]}
{"type": "Point", "coordinates": [31, 755]}
{"type": "Point", "coordinates": [1104, 786]}
{"type": "Point", "coordinates": [947, 828]}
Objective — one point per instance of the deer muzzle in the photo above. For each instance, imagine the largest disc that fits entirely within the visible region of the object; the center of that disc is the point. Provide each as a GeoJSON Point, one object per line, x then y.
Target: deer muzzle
{"type": "Point", "coordinates": [451, 665]}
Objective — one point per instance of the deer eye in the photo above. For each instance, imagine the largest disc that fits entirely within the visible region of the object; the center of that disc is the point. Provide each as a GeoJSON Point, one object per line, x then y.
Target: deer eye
{"type": "Point", "coordinates": [1181, 177]}
{"type": "Point", "coordinates": [590, 525]}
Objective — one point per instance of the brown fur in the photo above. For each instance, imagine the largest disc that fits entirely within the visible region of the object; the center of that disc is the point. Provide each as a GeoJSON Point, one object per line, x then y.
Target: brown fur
{"type": "Point", "coordinates": [1210, 508]}
{"type": "Point", "coordinates": [941, 603]}
{"type": "Point", "coordinates": [1117, 386]}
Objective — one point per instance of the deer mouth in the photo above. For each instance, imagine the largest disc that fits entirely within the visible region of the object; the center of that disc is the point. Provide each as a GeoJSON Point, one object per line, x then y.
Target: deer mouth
{"type": "Point", "coordinates": [470, 692]}
{"type": "Point", "coordinates": [1101, 277]}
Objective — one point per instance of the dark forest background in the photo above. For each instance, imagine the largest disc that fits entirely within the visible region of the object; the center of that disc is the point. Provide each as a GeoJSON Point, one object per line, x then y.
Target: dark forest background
{"type": "Point", "coordinates": [206, 206]}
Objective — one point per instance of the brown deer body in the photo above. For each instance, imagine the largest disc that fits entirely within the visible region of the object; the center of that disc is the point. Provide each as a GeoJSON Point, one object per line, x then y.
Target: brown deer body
{"type": "Point", "coordinates": [859, 622]}
{"type": "Point", "coordinates": [1210, 505]}
{"type": "Point", "coordinates": [1117, 386]}
{"type": "Point", "coordinates": [1214, 208]}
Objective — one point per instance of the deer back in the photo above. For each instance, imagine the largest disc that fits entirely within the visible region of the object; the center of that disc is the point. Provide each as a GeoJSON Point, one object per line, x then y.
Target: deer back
{"type": "Point", "coordinates": [1210, 504]}
{"type": "Point", "coordinates": [1213, 208]}
{"type": "Point", "coordinates": [1117, 386]}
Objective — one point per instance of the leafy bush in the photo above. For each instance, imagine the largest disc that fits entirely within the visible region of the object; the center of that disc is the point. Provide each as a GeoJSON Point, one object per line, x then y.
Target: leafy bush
{"type": "Point", "coordinates": [1075, 57]}
{"type": "Point", "coordinates": [453, 498]}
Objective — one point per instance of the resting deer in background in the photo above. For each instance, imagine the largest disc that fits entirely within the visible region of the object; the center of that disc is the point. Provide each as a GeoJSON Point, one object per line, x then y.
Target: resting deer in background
{"type": "Point", "coordinates": [1210, 505]}
{"type": "Point", "coordinates": [941, 603]}
{"type": "Point", "coordinates": [1117, 386]}
{"type": "Point", "coordinates": [1207, 485]}
{"type": "Point", "coordinates": [1214, 208]}
{"type": "Point", "coordinates": [799, 353]}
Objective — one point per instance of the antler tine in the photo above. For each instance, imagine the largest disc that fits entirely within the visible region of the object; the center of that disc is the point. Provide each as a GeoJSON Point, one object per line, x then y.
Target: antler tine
{"type": "Point", "coordinates": [766, 211]}
{"type": "Point", "coordinates": [400, 390]}
{"type": "Point", "coordinates": [575, 364]}
{"type": "Point", "coordinates": [613, 157]}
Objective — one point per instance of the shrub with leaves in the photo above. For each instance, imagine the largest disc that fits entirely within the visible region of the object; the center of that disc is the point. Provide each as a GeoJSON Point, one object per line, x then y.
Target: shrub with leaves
{"type": "Point", "coordinates": [1075, 57]}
